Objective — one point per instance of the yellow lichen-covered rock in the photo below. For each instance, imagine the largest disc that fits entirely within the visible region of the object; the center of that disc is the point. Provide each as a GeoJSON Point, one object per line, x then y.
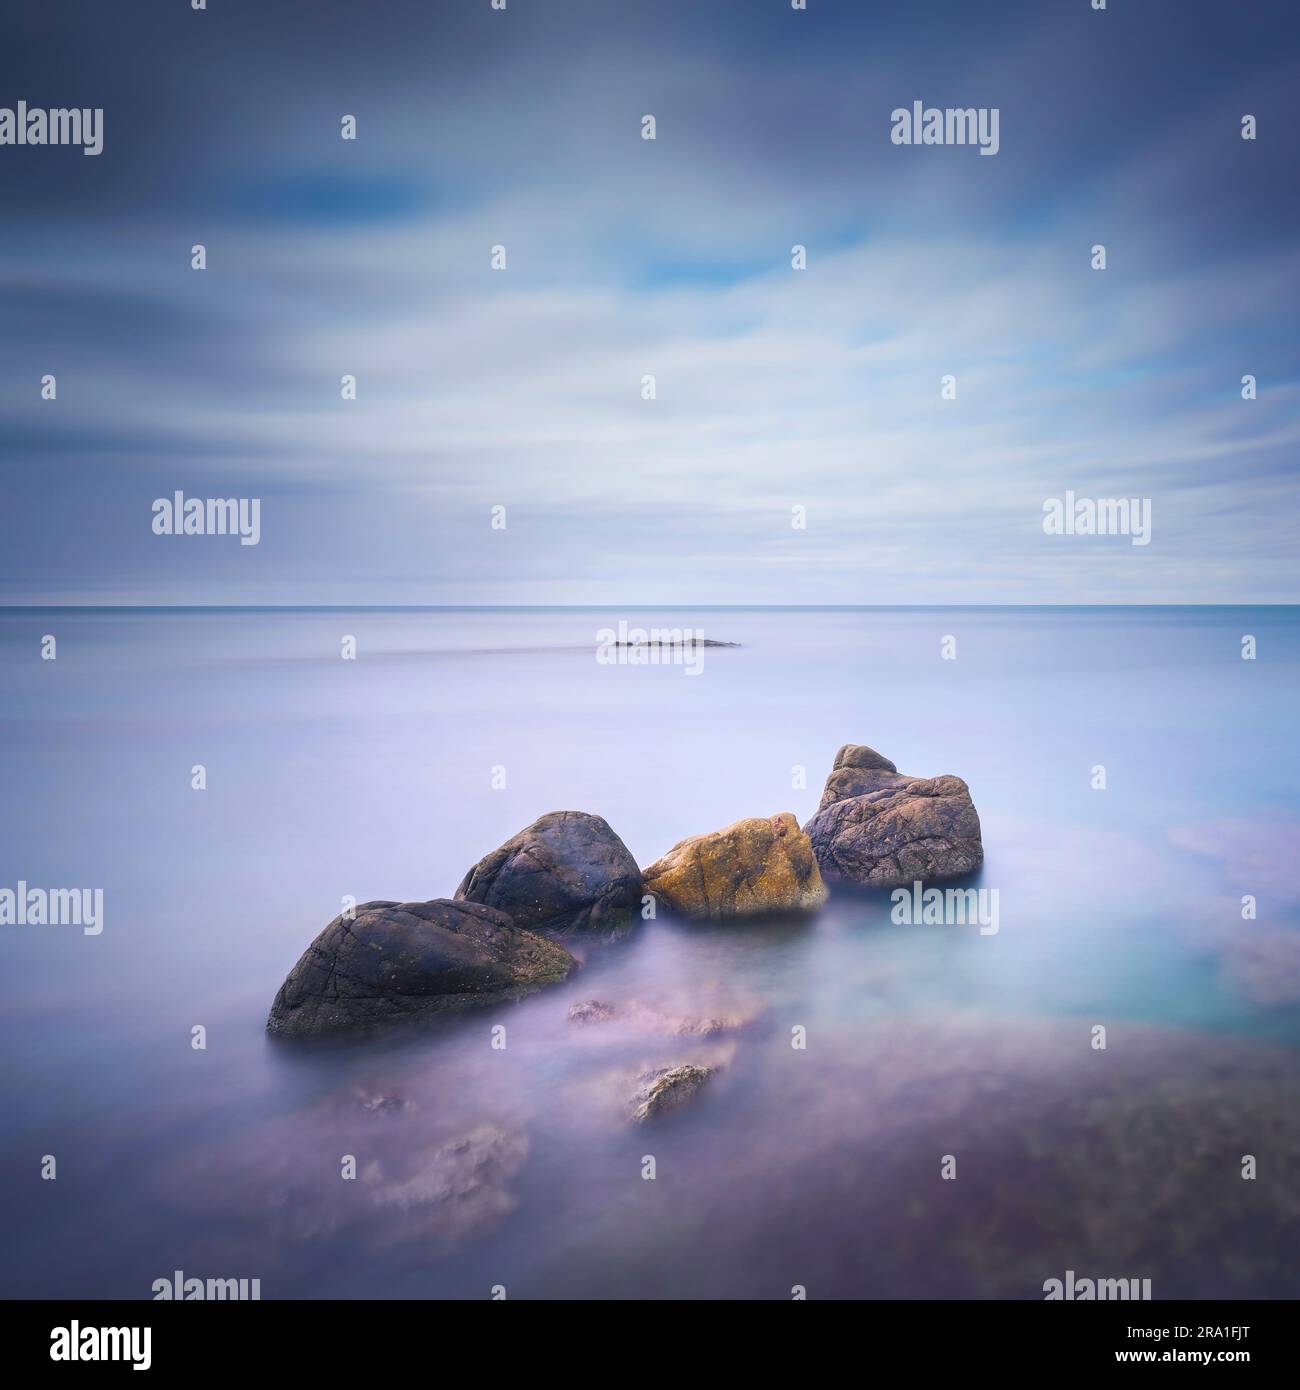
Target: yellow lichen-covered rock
{"type": "Point", "coordinates": [764, 864]}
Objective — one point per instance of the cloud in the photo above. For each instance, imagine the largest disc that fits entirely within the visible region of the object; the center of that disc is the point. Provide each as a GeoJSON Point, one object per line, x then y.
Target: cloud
{"type": "Point", "coordinates": [775, 388]}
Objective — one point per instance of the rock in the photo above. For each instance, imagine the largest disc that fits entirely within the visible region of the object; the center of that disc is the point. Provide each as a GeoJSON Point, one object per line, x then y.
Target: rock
{"type": "Point", "coordinates": [456, 1191]}
{"type": "Point", "coordinates": [702, 1027]}
{"type": "Point", "coordinates": [656, 1020]}
{"type": "Point", "coordinates": [438, 1196]}
{"type": "Point", "coordinates": [379, 1103]}
{"type": "Point", "coordinates": [675, 640]}
{"type": "Point", "coordinates": [592, 1011]}
{"type": "Point", "coordinates": [757, 865]}
{"type": "Point", "coordinates": [567, 871]}
{"type": "Point", "coordinates": [396, 960]}
{"type": "Point", "coordinates": [851, 773]}
{"type": "Point", "coordinates": [666, 1089]}
{"type": "Point", "coordinates": [881, 828]}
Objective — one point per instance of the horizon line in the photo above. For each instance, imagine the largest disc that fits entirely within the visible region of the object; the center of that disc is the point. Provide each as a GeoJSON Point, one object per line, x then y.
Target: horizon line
{"type": "Point", "coordinates": [593, 607]}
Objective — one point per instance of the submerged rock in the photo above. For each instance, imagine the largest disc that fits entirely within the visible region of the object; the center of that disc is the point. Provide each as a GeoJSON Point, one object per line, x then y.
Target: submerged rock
{"type": "Point", "coordinates": [379, 1103]}
{"type": "Point", "coordinates": [592, 1011]}
{"type": "Point", "coordinates": [656, 1020]}
{"type": "Point", "coordinates": [434, 1189]}
{"type": "Point", "coordinates": [457, 1190]}
{"type": "Point", "coordinates": [764, 864]}
{"type": "Point", "coordinates": [393, 961]}
{"type": "Point", "coordinates": [567, 871]}
{"type": "Point", "coordinates": [881, 828]}
{"type": "Point", "coordinates": [667, 1088]}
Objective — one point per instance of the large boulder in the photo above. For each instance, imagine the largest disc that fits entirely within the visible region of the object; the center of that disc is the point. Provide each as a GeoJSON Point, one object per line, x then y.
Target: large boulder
{"type": "Point", "coordinates": [567, 871]}
{"type": "Point", "coordinates": [392, 961]}
{"type": "Point", "coordinates": [764, 864]}
{"type": "Point", "coordinates": [878, 827]}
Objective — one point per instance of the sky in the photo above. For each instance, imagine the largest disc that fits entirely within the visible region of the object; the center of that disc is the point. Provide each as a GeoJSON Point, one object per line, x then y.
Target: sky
{"type": "Point", "coordinates": [775, 389]}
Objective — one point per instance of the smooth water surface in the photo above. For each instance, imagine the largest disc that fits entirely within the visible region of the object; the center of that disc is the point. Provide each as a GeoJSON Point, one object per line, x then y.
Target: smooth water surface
{"type": "Point", "coordinates": [817, 1166]}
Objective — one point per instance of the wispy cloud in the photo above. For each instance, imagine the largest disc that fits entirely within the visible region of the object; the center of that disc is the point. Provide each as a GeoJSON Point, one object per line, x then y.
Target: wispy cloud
{"type": "Point", "coordinates": [775, 388]}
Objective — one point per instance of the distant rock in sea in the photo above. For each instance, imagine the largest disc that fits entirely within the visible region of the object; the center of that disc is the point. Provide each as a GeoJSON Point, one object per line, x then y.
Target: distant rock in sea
{"type": "Point", "coordinates": [567, 871]}
{"type": "Point", "coordinates": [763, 864]}
{"type": "Point", "coordinates": [881, 828]}
{"type": "Point", "coordinates": [394, 961]}
{"type": "Point", "coordinates": [682, 641]}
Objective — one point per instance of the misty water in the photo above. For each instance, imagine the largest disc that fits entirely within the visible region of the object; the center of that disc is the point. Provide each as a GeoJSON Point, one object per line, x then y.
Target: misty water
{"type": "Point", "coordinates": [482, 1168]}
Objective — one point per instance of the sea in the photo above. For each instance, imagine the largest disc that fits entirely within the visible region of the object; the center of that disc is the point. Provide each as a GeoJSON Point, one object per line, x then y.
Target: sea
{"type": "Point", "coordinates": [1109, 1083]}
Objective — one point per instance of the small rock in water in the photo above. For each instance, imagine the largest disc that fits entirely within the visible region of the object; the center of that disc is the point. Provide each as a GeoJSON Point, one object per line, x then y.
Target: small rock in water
{"type": "Point", "coordinates": [657, 1020]}
{"type": "Point", "coordinates": [376, 1103]}
{"type": "Point", "coordinates": [457, 1190]}
{"type": "Point", "coordinates": [703, 1027]}
{"type": "Point", "coordinates": [592, 1011]}
{"type": "Point", "coordinates": [666, 1089]}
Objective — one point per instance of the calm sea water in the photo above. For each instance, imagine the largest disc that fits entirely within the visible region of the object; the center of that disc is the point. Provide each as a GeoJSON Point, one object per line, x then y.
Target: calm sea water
{"type": "Point", "coordinates": [817, 1167]}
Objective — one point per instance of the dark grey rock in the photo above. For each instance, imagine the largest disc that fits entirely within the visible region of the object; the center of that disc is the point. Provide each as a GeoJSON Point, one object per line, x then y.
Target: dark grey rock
{"type": "Point", "coordinates": [567, 871]}
{"type": "Point", "coordinates": [881, 828]}
{"type": "Point", "coordinates": [857, 769]}
{"type": "Point", "coordinates": [397, 960]}
{"type": "Point", "coordinates": [859, 755]}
